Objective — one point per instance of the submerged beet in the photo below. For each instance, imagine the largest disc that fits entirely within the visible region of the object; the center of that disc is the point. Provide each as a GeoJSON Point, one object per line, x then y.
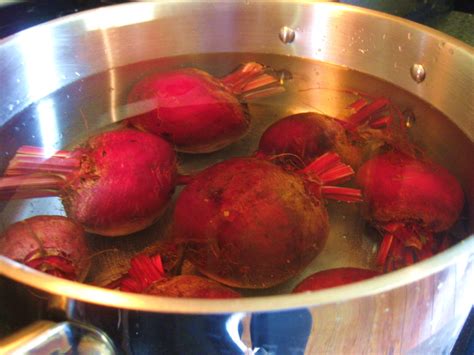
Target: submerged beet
{"type": "Point", "coordinates": [334, 277]}
{"type": "Point", "coordinates": [52, 244]}
{"type": "Point", "coordinates": [249, 223]}
{"type": "Point", "coordinates": [408, 199]}
{"type": "Point", "coordinates": [117, 183]}
{"type": "Point", "coordinates": [147, 275]}
{"type": "Point", "coordinates": [197, 112]}
{"type": "Point", "coordinates": [296, 140]}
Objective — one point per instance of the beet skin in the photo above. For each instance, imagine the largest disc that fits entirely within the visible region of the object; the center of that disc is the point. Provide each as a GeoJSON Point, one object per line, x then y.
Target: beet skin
{"type": "Point", "coordinates": [398, 187]}
{"type": "Point", "coordinates": [116, 183]}
{"type": "Point", "coordinates": [296, 140]}
{"type": "Point", "coordinates": [334, 277]}
{"type": "Point", "coordinates": [190, 286]}
{"type": "Point", "coordinates": [409, 200]}
{"type": "Point", "coordinates": [53, 244]}
{"type": "Point", "coordinates": [249, 223]}
{"type": "Point", "coordinates": [126, 180]}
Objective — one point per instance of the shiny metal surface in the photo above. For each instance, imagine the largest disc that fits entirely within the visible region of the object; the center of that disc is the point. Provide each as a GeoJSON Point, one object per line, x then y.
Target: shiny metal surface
{"type": "Point", "coordinates": [45, 337]}
{"type": "Point", "coordinates": [420, 308]}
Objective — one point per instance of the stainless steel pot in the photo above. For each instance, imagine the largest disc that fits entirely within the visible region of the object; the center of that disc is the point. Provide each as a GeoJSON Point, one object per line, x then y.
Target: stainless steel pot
{"type": "Point", "coordinates": [418, 309]}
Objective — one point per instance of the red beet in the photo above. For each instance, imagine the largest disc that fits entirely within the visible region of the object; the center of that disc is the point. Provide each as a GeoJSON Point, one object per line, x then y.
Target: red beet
{"type": "Point", "coordinates": [408, 199]}
{"type": "Point", "coordinates": [147, 275]}
{"type": "Point", "coordinates": [296, 140]}
{"type": "Point", "coordinates": [52, 244]}
{"type": "Point", "coordinates": [197, 112]}
{"type": "Point", "coordinates": [334, 277]}
{"type": "Point", "coordinates": [249, 223]}
{"type": "Point", "coordinates": [117, 183]}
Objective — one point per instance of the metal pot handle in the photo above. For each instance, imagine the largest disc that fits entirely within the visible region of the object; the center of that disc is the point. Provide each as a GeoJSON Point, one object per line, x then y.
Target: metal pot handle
{"type": "Point", "coordinates": [46, 337]}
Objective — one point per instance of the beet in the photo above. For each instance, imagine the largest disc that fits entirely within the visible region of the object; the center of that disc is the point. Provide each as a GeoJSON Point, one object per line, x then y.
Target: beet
{"type": "Point", "coordinates": [146, 275]}
{"type": "Point", "coordinates": [296, 140]}
{"type": "Point", "coordinates": [197, 112]}
{"type": "Point", "coordinates": [249, 223]}
{"type": "Point", "coordinates": [117, 183]}
{"type": "Point", "coordinates": [408, 199]}
{"type": "Point", "coordinates": [52, 244]}
{"type": "Point", "coordinates": [334, 277]}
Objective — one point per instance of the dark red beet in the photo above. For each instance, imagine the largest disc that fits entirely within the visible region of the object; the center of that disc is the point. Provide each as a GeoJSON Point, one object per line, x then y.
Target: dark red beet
{"type": "Point", "coordinates": [147, 275]}
{"type": "Point", "coordinates": [249, 223]}
{"type": "Point", "coordinates": [408, 199]}
{"type": "Point", "coordinates": [296, 140]}
{"type": "Point", "coordinates": [52, 244]}
{"type": "Point", "coordinates": [197, 112]}
{"type": "Point", "coordinates": [117, 183]}
{"type": "Point", "coordinates": [334, 277]}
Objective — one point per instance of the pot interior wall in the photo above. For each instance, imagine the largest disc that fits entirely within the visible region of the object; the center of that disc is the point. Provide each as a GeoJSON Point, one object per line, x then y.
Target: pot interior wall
{"type": "Point", "coordinates": [76, 81]}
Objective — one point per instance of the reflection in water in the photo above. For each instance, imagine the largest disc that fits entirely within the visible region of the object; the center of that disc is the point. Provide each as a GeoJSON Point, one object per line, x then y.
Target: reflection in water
{"type": "Point", "coordinates": [47, 118]}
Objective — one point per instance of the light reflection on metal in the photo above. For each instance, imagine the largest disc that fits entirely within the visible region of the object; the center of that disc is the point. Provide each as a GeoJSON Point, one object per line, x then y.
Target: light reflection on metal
{"type": "Point", "coordinates": [42, 76]}
{"type": "Point", "coordinates": [48, 119]}
{"type": "Point", "coordinates": [232, 327]}
{"type": "Point", "coordinates": [118, 16]}
{"type": "Point", "coordinates": [39, 61]}
{"type": "Point", "coordinates": [111, 72]}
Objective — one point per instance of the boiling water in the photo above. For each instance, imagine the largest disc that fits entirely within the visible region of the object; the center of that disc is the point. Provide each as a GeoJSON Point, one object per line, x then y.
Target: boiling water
{"type": "Point", "coordinates": [69, 116]}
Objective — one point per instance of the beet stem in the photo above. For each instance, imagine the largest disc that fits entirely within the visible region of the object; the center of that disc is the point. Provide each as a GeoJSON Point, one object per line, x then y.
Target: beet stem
{"type": "Point", "coordinates": [381, 122]}
{"type": "Point", "coordinates": [358, 104]}
{"type": "Point", "coordinates": [253, 80]}
{"type": "Point", "coordinates": [30, 159]}
{"type": "Point", "coordinates": [329, 169]}
{"type": "Point", "coordinates": [29, 186]}
{"type": "Point", "coordinates": [364, 113]}
{"type": "Point", "coordinates": [345, 194]}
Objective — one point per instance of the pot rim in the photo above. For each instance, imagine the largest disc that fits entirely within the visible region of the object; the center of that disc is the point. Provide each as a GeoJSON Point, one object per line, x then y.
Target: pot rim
{"type": "Point", "coordinates": [460, 253]}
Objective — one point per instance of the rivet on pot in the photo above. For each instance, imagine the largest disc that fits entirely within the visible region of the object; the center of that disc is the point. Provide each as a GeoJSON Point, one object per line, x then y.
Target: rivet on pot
{"type": "Point", "coordinates": [409, 118]}
{"type": "Point", "coordinates": [418, 72]}
{"type": "Point", "coordinates": [287, 35]}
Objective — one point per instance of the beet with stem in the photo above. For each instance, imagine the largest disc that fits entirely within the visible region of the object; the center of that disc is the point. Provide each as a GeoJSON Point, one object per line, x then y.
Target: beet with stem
{"type": "Point", "coordinates": [197, 112]}
{"type": "Point", "coordinates": [296, 140]}
{"type": "Point", "coordinates": [53, 244]}
{"type": "Point", "coordinates": [117, 183]}
{"type": "Point", "coordinates": [333, 278]}
{"type": "Point", "coordinates": [146, 275]}
{"type": "Point", "coordinates": [408, 199]}
{"type": "Point", "coordinates": [249, 223]}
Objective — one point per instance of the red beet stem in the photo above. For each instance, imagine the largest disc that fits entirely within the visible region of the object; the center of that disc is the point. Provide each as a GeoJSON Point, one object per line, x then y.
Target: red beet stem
{"type": "Point", "coordinates": [384, 248]}
{"type": "Point", "coordinates": [362, 115]}
{"type": "Point", "coordinates": [144, 270]}
{"type": "Point", "coordinates": [34, 172]}
{"type": "Point", "coordinates": [329, 169]}
{"type": "Point", "coordinates": [358, 104]}
{"type": "Point", "coordinates": [381, 122]}
{"type": "Point", "coordinates": [404, 244]}
{"type": "Point", "coordinates": [55, 265]}
{"type": "Point", "coordinates": [345, 194]}
{"type": "Point", "coordinates": [30, 159]}
{"type": "Point", "coordinates": [30, 186]}
{"type": "Point", "coordinates": [252, 80]}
